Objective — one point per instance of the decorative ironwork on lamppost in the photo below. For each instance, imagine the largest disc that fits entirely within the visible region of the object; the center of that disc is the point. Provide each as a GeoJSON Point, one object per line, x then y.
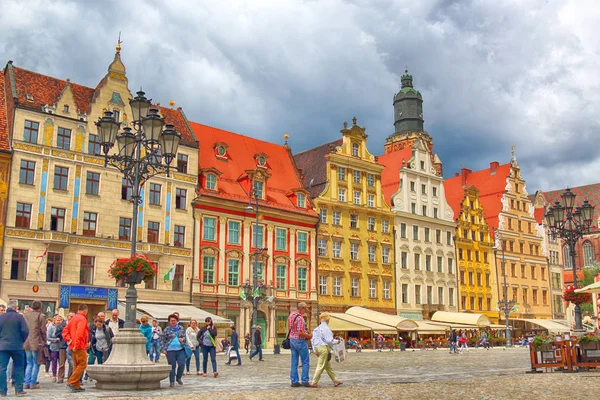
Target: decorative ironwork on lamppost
{"type": "Point", "coordinates": [142, 153]}
{"type": "Point", "coordinates": [505, 304]}
{"type": "Point", "coordinates": [570, 223]}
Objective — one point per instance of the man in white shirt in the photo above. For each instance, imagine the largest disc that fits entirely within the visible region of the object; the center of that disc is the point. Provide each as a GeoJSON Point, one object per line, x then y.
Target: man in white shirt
{"type": "Point", "coordinates": [115, 323]}
{"type": "Point", "coordinates": [322, 339]}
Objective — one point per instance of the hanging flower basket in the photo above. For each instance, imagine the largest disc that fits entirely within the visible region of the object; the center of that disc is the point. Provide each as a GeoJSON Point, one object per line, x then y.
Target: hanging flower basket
{"type": "Point", "coordinates": [569, 295]}
{"type": "Point", "coordinates": [133, 269]}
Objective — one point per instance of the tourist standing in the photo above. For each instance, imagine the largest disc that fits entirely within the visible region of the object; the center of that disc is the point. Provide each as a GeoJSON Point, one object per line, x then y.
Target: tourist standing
{"type": "Point", "coordinates": [452, 342]}
{"type": "Point", "coordinates": [206, 338]}
{"type": "Point", "coordinates": [191, 337]}
{"type": "Point", "coordinates": [100, 340]}
{"type": "Point", "coordinates": [62, 348]}
{"type": "Point", "coordinates": [235, 346]}
{"type": "Point", "coordinates": [155, 344]}
{"type": "Point", "coordinates": [463, 342]}
{"type": "Point", "coordinates": [322, 339]}
{"type": "Point", "coordinates": [146, 330]}
{"type": "Point", "coordinates": [298, 345]}
{"type": "Point", "coordinates": [34, 344]}
{"type": "Point", "coordinates": [13, 334]}
{"type": "Point", "coordinates": [46, 349]}
{"type": "Point", "coordinates": [171, 344]}
{"type": "Point", "coordinates": [247, 342]}
{"type": "Point", "coordinates": [115, 323]}
{"type": "Point", "coordinates": [77, 336]}
{"type": "Point", "coordinates": [257, 344]}
{"type": "Point", "coordinates": [380, 340]}
{"type": "Point", "coordinates": [54, 346]}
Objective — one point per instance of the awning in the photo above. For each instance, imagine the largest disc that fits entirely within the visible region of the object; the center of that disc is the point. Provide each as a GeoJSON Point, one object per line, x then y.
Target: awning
{"type": "Point", "coordinates": [592, 288]}
{"type": "Point", "coordinates": [424, 327]}
{"type": "Point", "coordinates": [373, 326]}
{"type": "Point", "coordinates": [453, 325]}
{"type": "Point", "coordinates": [548, 324]}
{"type": "Point", "coordinates": [478, 320]}
{"type": "Point", "coordinates": [499, 327]}
{"type": "Point", "coordinates": [340, 325]}
{"type": "Point", "coordinates": [396, 321]}
{"type": "Point", "coordinates": [161, 312]}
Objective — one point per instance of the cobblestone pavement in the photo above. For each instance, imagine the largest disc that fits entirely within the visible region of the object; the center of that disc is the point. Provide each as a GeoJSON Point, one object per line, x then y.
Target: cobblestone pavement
{"type": "Point", "coordinates": [432, 374]}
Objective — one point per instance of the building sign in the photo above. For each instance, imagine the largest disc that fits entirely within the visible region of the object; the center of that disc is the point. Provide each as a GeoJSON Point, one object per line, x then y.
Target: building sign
{"type": "Point", "coordinates": [48, 307]}
{"type": "Point", "coordinates": [88, 292]}
{"type": "Point", "coordinates": [416, 316]}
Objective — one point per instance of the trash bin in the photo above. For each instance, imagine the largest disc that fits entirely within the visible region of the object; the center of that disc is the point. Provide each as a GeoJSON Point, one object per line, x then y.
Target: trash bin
{"type": "Point", "coordinates": [276, 349]}
{"type": "Point", "coordinates": [402, 346]}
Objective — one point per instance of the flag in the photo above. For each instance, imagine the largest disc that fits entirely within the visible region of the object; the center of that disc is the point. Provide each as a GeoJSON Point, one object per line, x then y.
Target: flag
{"type": "Point", "coordinates": [270, 299]}
{"type": "Point", "coordinates": [243, 295]}
{"type": "Point", "coordinates": [44, 253]}
{"type": "Point", "coordinates": [170, 275]}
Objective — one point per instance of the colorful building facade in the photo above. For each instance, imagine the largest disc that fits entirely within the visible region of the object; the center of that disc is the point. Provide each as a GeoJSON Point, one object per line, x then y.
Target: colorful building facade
{"type": "Point", "coordinates": [236, 170]}
{"type": "Point", "coordinates": [5, 156]}
{"type": "Point", "coordinates": [354, 240]}
{"type": "Point", "coordinates": [69, 216]}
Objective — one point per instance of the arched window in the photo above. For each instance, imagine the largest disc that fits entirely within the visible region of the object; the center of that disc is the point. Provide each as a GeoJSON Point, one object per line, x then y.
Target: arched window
{"type": "Point", "coordinates": [567, 257]}
{"type": "Point", "coordinates": [588, 254]}
{"type": "Point", "coordinates": [355, 149]}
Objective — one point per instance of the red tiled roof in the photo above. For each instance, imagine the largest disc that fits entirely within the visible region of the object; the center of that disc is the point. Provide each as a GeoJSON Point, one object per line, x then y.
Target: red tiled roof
{"type": "Point", "coordinates": [240, 152]}
{"type": "Point", "coordinates": [390, 176]}
{"type": "Point", "coordinates": [313, 166]}
{"type": "Point", "coordinates": [491, 188]}
{"type": "Point", "coordinates": [4, 142]}
{"type": "Point", "coordinates": [587, 192]}
{"type": "Point", "coordinates": [568, 276]}
{"type": "Point", "coordinates": [46, 90]}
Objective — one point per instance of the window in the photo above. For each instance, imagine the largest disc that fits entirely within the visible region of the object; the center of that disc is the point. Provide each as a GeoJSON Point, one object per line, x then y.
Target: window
{"type": "Point", "coordinates": [61, 178]}
{"type": "Point", "coordinates": [567, 260]}
{"type": "Point", "coordinates": [423, 189]}
{"type": "Point", "coordinates": [385, 226]}
{"type": "Point", "coordinates": [54, 267]}
{"type": "Point", "coordinates": [403, 230]}
{"type": "Point", "coordinates": [258, 236]}
{"type": "Point", "coordinates": [372, 250]}
{"type": "Point", "coordinates": [86, 270]}
{"type": "Point", "coordinates": [417, 262]}
{"type": "Point", "coordinates": [94, 146]}
{"type": "Point", "coordinates": [440, 295]}
{"type": "Point", "coordinates": [451, 296]}
{"type": "Point", "coordinates": [427, 234]}
{"type": "Point", "coordinates": [513, 270]}
{"type": "Point", "coordinates": [522, 271]}
{"type": "Point", "coordinates": [323, 215]}
{"type": "Point", "coordinates": [417, 294]}
{"type": "Point", "coordinates": [27, 172]}
{"type": "Point", "coordinates": [543, 273]}
{"type": "Point", "coordinates": [471, 278]}
{"type": "Point", "coordinates": [336, 218]}
{"type": "Point", "coordinates": [487, 279]}
{"type": "Point", "coordinates": [23, 219]}
{"type": "Point", "coordinates": [302, 279]}
{"type": "Point", "coordinates": [154, 198]}
{"type": "Point", "coordinates": [525, 296]}
{"type": "Point", "coordinates": [30, 133]}
{"type": "Point", "coordinates": [259, 188]}
{"type": "Point", "coordinates": [18, 269]}
{"type": "Point", "coordinates": [57, 219]}
{"type": "Point", "coordinates": [415, 232]}
{"type": "Point", "coordinates": [479, 279]}
{"type": "Point", "coordinates": [208, 269]}
{"type": "Point", "coordinates": [92, 183]}
{"type": "Point", "coordinates": [485, 257]}
{"type": "Point", "coordinates": [178, 278]}
{"type": "Point", "coordinates": [469, 255]}
{"type": "Point", "coordinates": [404, 259]}
{"type": "Point", "coordinates": [356, 175]}
{"type": "Point", "coordinates": [124, 228]}
{"type": "Point", "coordinates": [412, 186]}
{"type": "Point", "coordinates": [385, 255]}
{"type": "Point", "coordinates": [370, 180]}
{"type": "Point", "coordinates": [258, 267]}
{"type": "Point", "coordinates": [63, 139]}
{"type": "Point", "coordinates": [355, 149]}
{"type": "Point", "coordinates": [337, 249]}
{"type": "Point", "coordinates": [211, 181]}
{"type": "Point", "coordinates": [322, 248]}
{"type": "Point", "coordinates": [182, 163]}
{"type": "Point", "coordinates": [341, 173]}
{"type": "Point", "coordinates": [429, 294]}
{"type": "Point", "coordinates": [434, 189]}
{"type": "Point", "coordinates": [234, 232]}
{"type": "Point", "coordinates": [180, 198]}
{"type": "Point", "coordinates": [472, 302]}
{"type": "Point", "coordinates": [460, 254]}
{"type": "Point", "coordinates": [208, 232]}
{"type": "Point", "coordinates": [126, 189]}
{"type": "Point", "coordinates": [440, 264]}
{"type": "Point", "coordinates": [422, 165]}
{"type": "Point", "coordinates": [281, 239]}
{"type": "Point", "coordinates": [116, 115]}
{"type": "Point", "coordinates": [450, 266]}
{"type": "Point", "coordinates": [302, 239]}
{"type": "Point", "coordinates": [544, 297]}
{"type": "Point", "coordinates": [337, 285]}
{"type": "Point", "coordinates": [301, 200]}
{"type": "Point", "coordinates": [588, 254]}
{"type": "Point", "coordinates": [371, 223]}
{"type": "Point", "coordinates": [386, 290]}
{"type": "Point", "coordinates": [413, 208]}
{"type": "Point", "coordinates": [354, 251]}
{"type": "Point", "coordinates": [435, 212]}
{"type": "Point", "coordinates": [342, 194]}
{"type": "Point", "coordinates": [404, 293]}
{"type": "Point", "coordinates": [233, 273]}
{"type": "Point", "coordinates": [534, 295]}
{"type": "Point", "coordinates": [323, 285]}
{"type": "Point", "coordinates": [353, 221]}
{"type": "Point", "coordinates": [355, 287]}
{"type": "Point", "coordinates": [357, 197]}
{"type": "Point", "coordinates": [371, 201]}
{"type": "Point", "coordinates": [153, 231]}
{"type": "Point", "coordinates": [179, 236]}
{"type": "Point", "coordinates": [462, 277]}
{"type": "Point", "coordinates": [533, 272]}
{"type": "Point", "coordinates": [448, 238]}
{"type": "Point", "coordinates": [372, 288]}
{"type": "Point", "coordinates": [281, 277]}
{"type": "Point", "coordinates": [89, 223]}
{"type": "Point", "coordinates": [427, 262]}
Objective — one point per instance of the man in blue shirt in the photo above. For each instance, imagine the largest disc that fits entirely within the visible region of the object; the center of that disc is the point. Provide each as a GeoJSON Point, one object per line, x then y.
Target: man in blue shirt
{"type": "Point", "coordinates": [13, 333]}
{"type": "Point", "coordinates": [235, 344]}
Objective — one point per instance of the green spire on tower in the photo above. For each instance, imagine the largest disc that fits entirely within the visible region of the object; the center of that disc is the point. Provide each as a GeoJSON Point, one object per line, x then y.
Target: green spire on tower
{"type": "Point", "coordinates": [408, 107]}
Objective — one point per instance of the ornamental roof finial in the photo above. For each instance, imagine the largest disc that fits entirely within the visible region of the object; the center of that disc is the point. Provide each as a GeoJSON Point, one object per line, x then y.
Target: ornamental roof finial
{"type": "Point", "coordinates": [118, 48]}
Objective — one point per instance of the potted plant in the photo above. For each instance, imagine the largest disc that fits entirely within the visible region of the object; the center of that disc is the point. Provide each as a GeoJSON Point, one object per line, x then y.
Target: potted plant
{"type": "Point", "coordinates": [570, 296]}
{"type": "Point", "coordinates": [542, 343]}
{"type": "Point", "coordinates": [133, 269]}
{"type": "Point", "coordinates": [589, 342]}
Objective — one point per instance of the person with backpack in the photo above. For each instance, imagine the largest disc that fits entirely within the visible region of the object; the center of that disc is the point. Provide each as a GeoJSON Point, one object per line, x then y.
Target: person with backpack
{"type": "Point", "coordinates": [206, 338]}
{"type": "Point", "coordinates": [171, 344]}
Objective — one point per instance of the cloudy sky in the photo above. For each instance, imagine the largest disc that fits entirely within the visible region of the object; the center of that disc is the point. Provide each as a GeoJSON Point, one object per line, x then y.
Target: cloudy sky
{"type": "Point", "coordinates": [492, 73]}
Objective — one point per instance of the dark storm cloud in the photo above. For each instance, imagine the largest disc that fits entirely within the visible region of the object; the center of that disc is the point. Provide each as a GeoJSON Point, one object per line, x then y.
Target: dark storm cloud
{"type": "Point", "coordinates": [492, 74]}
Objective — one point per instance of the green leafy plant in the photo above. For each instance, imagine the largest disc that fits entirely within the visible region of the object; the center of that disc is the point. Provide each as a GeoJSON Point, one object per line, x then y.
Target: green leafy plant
{"type": "Point", "coordinates": [586, 339]}
{"type": "Point", "coordinates": [540, 341]}
{"type": "Point", "coordinates": [121, 268]}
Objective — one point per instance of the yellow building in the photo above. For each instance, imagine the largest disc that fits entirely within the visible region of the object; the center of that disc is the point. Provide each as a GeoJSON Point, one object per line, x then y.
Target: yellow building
{"type": "Point", "coordinates": [69, 216]}
{"type": "Point", "coordinates": [354, 236]}
{"type": "Point", "coordinates": [4, 159]}
{"type": "Point", "coordinates": [477, 276]}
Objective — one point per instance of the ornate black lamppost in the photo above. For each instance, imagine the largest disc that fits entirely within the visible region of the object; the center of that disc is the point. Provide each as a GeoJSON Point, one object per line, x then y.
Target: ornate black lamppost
{"type": "Point", "coordinates": [505, 304]}
{"type": "Point", "coordinates": [143, 152]}
{"type": "Point", "coordinates": [570, 223]}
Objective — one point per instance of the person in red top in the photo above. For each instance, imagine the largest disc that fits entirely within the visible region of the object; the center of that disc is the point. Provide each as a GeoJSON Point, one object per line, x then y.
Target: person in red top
{"type": "Point", "coordinates": [298, 345]}
{"type": "Point", "coordinates": [77, 336]}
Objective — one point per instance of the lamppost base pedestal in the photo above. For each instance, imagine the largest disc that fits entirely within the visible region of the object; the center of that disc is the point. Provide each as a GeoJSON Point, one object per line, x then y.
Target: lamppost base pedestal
{"type": "Point", "coordinates": [128, 367]}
